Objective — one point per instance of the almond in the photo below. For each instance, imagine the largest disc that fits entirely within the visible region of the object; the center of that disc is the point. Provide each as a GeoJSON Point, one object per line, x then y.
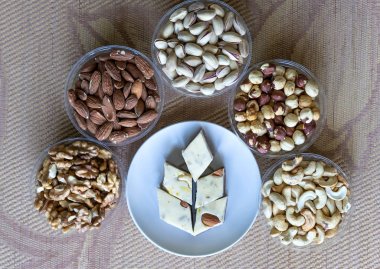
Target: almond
{"type": "Point", "coordinates": [184, 204]}
{"type": "Point", "coordinates": [144, 67]}
{"type": "Point", "coordinates": [103, 57]}
{"type": "Point", "coordinates": [139, 108]}
{"type": "Point", "coordinates": [93, 102]}
{"type": "Point", "coordinates": [156, 96]}
{"type": "Point", "coordinates": [121, 64]}
{"type": "Point", "coordinates": [219, 172]}
{"type": "Point", "coordinates": [147, 117]}
{"type": "Point", "coordinates": [112, 70]}
{"type": "Point", "coordinates": [100, 92]}
{"type": "Point", "coordinates": [94, 82]}
{"type": "Point", "coordinates": [137, 88]}
{"type": "Point", "coordinates": [132, 131]}
{"type": "Point", "coordinates": [108, 109]}
{"type": "Point", "coordinates": [80, 120]}
{"type": "Point", "coordinates": [143, 126]}
{"type": "Point", "coordinates": [117, 136]}
{"type": "Point", "coordinates": [127, 89]}
{"type": "Point", "coordinates": [126, 115]}
{"type": "Point", "coordinates": [91, 127]}
{"type": "Point", "coordinates": [97, 117]}
{"type": "Point", "coordinates": [118, 99]}
{"type": "Point", "coordinates": [84, 85]}
{"type": "Point", "coordinates": [130, 102]}
{"type": "Point", "coordinates": [150, 103]}
{"type": "Point", "coordinates": [127, 76]}
{"type": "Point", "coordinates": [144, 93]}
{"type": "Point", "coordinates": [151, 84]}
{"type": "Point", "coordinates": [81, 108]}
{"type": "Point", "coordinates": [210, 220]}
{"type": "Point", "coordinates": [116, 126]}
{"type": "Point", "coordinates": [104, 131]}
{"type": "Point", "coordinates": [119, 84]}
{"type": "Point", "coordinates": [128, 123]}
{"type": "Point", "coordinates": [135, 72]}
{"type": "Point", "coordinates": [81, 94]}
{"type": "Point", "coordinates": [107, 83]}
{"type": "Point", "coordinates": [88, 67]}
{"type": "Point", "coordinates": [121, 55]}
{"type": "Point", "coordinates": [84, 75]}
{"type": "Point", "coordinates": [71, 96]}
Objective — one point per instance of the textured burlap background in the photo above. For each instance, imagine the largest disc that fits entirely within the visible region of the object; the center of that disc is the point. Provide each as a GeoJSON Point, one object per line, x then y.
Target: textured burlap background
{"type": "Point", "coordinates": [39, 42]}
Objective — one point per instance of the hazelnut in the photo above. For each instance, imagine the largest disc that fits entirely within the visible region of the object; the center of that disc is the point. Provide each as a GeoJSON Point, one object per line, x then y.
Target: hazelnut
{"type": "Point", "coordinates": [263, 99]}
{"type": "Point", "coordinates": [289, 130]}
{"type": "Point", "coordinates": [255, 77]}
{"type": "Point", "coordinates": [308, 128]}
{"type": "Point", "coordinates": [255, 92]}
{"type": "Point", "coordinates": [280, 71]}
{"type": "Point", "coordinates": [250, 138]}
{"type": "Point", "coordinates": [298, 137]}
{"type": "Point", "coordinates": [246, 86]}
{"type": "Point", "coordinates": [306, 115]}
{"type": "Point", "coordinates": [298, 91]}
{"type": "Point", "coordinates": [274, 146]}
{"type": "Point", "coordinates": [301, 80]}
{"type": "Point", "coordinates": [289, 88]}
{"type": "Point", "coordinates": [240, 116]}
{"type": "Point", "coordinates": [278, 96]}
{"type": "Point", "coordinates": [279, 108]}
{"type": "Point", "coordinates": [260, 116]}
{"type": "Point", "coordinates": [291, 120]}
{"type": "Point", "coordinates": [266, 86]}
{"type": "Point", "coordinates": [316, 113]}
{"type": "Point", "coordinates": [239, 104]}
{"type": "Point", "coordinates": [287, 144]}
{"type": "Point", "coordinates": [268, 112]}
{"type": "Point", "coordinates": [292, 101]}
{"type": "Point", "coordinates": [291, 74]}
{"type": "Point", "coordinates": [251, 114]}
{"type": "Point", "coordinates": [304, 101]}
{"type": "Point", "coordinates": [297, 111]}
{"type": "Point", "coordinates": [242, 95]}
{"type": "Point", "coordinates": [279, 82]}
{"type": "Point", "coordinates": [311, 88]}
{"type": "Point", "coordinates": [269, 124]}
{"type": "Point", "coordinates": [268, 69]}
{"type": "Point", "coordinates": [279, 120]}
{"type": "Point", "coordinates": [243, 127]}
{"type": "Point", "coordinates": [279, 133]}
{"type": "Point", "coordinates": [253, 104]}
{"type": "Point", "coordinates": [263, 144]}
{"type": "Point", "coordinates": [258, 128]}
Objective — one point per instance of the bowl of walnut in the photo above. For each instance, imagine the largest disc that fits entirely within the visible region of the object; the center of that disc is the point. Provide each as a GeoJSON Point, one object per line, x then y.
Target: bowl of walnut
{"type": "Point", "coordinates": [278, 108]}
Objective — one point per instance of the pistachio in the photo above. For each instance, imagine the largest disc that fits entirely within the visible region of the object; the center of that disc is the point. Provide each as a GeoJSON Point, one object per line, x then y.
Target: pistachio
{"type": "Point", "coordinates": [193, 49]}
{"type": "Point", "coordinates": [206, 14]}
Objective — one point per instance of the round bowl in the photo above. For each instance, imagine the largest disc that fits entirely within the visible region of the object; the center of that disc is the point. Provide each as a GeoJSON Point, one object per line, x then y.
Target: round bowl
{"type": "Point", "coordinates": [73, 77]}
{"type": "Point", "coordinates": [165, 18]}
{"type": "Point", "coordinates": [268, 175]}
{"type": "Point", "coordinates": [40, 159]}
{"type": "Point", "coordinates": [320, 100]}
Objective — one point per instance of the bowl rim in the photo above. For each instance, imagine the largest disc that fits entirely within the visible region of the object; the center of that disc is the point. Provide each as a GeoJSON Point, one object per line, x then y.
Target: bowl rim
{"type": "Point", "coordinates": [321, 101]}
{"type": "Point", "coordinates": [154, 50]}
{"type": "Point", "coordinates": [72, 77]}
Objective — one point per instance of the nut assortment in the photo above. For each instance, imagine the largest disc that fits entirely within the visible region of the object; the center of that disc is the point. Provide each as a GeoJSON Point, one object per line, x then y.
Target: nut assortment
{"type": "Point", "coordinates": [275, 108]}
{"type": "Point", "coordinates": [115, 97]}
{"type": "Point", "coordinates": [77, 184]}
{"type": "Point", "coordinates": [305, 202]}
{"type": "Point", "coordinates": [202, 47]}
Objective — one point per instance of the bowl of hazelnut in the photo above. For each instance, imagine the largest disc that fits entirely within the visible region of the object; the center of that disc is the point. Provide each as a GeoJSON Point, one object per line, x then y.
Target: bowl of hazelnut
{"type": "Point", "coordinates": [278, 108]}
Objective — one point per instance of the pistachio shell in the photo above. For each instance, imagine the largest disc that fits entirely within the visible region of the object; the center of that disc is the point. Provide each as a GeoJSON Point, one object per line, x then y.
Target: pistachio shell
{"type": "Point", "coordinates": [231, 37]}
{"type": "Point", "coordinates": [231, 78]}
{"type": "Point", "coordinates": [193, 49]}
{"type": "Point", "coordinates": [189, 20]}
{"type": "Point", "coordinates": [206, 14]}
{"type": "Point", "coordinates": [217, 25]}
{"type": "Point", "coordinates": [162, 57]}
{"type": "Point", "coordinates": [192, 60]}
{"type": "Point", "coordinates": [196, 6]}
{"type": "Point", "coordinates": [179, 14]}
{"type": "Point", "coordinates": [228, 21]}
{"type": "Point", "coordinates": [204, 37]}
{"type": "Point", "coordinates": [180, 82]}
{"type": "Point", "coordinates": [208, 89]}
{"type": "Point", "coordinates": [167, 30]}
{"type": "Point", "coordinates": [210, 59]}
{"type": "Point", "coordinates": [160, 44]}
{"type": "Point", "coordinates": [186, 36]}
{"type": "Point", "coordinates": [199, 73]}
{"type": "Point", "coordinates": [218, 9]}
{"type": "Point", "coordinates": [198, 28]}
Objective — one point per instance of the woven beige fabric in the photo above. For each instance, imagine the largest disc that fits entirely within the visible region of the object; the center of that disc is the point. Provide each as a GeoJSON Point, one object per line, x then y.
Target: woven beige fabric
{"type": "Point", "coordinates": [39, 42]}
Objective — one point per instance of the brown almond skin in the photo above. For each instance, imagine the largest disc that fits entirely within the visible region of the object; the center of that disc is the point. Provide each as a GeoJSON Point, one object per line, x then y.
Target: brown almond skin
{"type": "Point", "coordinates": [184, 204]}
{"type": "Point", "coordinates": [104, 131]}
{"type": "Point", "coordinates": [107, 83]}
{"type": "Point", "coordinates": [151, 84]}
{"type": "Point", "coordinates": [140, 107]}
{"type": "Point", "coordinates": [84, 85]}
{"type": "Point", "coordinates": [112, 70]}
{"type": "Point", "coordinates": [126, 115]}
{"type": "Point", "coordinates": [119, 84]}
{"type": "Point", "coordinates": [100, 93]}
{"type": "Point", "coordinates": [147, 117]}
{"type": "Point", "coordinates": [81, 108]}
{"type": "Point", "coordinates": [136, 88]}
{"type": "Point", "coordinates": [150, 103]}
{"type": "Point", "coordinates": [108, 109]}
{"type": "Point", "coordinates": [127, 89]}
{"type": "Point", "coordinates": [117, 126]}
{"type": "Point", "coordinates": [144, 67]}
{"type": "Point", "coordinates": [95, 80]}
{"type": "Point", "coordinates": [88, 67]}
{"type": "Point", "coordinates": [121, 64]}
{"type": "Point", "coordinates": [93, 102]}
{"type": "Point", "coordinates": [71, 96]}
{"type": "Point", "coordinates": [210, 220]}
{"type": "Point", "coordinates": [103, 57]}
{"type": "Point", "coordinates": [132, 131]}
{"type": "Point", "coordinates": [97, 117]}
{"type": "Point", "coordinates": [126, 76]}
{"type": "Point", "coordinates": [91, 127]}
{"type": "Point", "coordinates": [121, 55]}
{"type": "Point", "coordinates": [156, 96]}
{"type": "Point", "coordinates": [130, 102]}
{"type": "Point", "coordinates": [117, 137]}
{"type": "Point", "coordinates": [135, 72]}
{"type": "Point", "coordinates": [81, 121]}
{"type": "Point", "coordinates": [81, 94]}
{"type": "Point", "coordinates": [86, 76]}
{"type": "Point", "coordinates": [128, 123]}
{"type": "Point", "coordinates": [118, 99]}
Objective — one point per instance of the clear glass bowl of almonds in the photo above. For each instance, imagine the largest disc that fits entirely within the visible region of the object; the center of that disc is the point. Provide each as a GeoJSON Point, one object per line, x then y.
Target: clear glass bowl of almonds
{"type": "Point", "coordinates": [202, 47]}
{"type": "Point", "coordinates": [114, 94]}
{"type": "Point", "coordinates": [75, 183]}
{"type": "Point", "coordinates": [306, 201]}
{"type": "Point", "coordinates": [278, 108]}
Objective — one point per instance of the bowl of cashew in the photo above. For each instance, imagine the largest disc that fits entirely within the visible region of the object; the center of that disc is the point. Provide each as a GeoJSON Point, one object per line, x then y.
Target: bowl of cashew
{"type": "Point", "coordinates": [306, 200]}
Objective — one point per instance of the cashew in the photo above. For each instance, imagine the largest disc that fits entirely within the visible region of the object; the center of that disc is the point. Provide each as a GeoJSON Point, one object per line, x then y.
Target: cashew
{"type": "Point", "coordinates": [337, 195]}
{"type": "Point", "coordinates": [309, 220]}
{"type": "Point", "coordinates": [292, 219]}
{"type": "Point", "coordinates": [277, 177]}
{"type": "Point", "coordinates": [343, 206]}
{"type": "Point", "coordinates": [279, 223]}
{"type": "Point", "coordinates": [266, 188]}
{"type": "Point", "coordinates": [274, 232]}
{"type": "Point", "coordinates": [310, 168]}
{"type": "Point", "coordinates": [328, 222]}
{"type": "Point", "coordinates": [320, 235]}
{"type": "Point", "coordinates": [287, 193]}
{"type": "Point", "coordinates": [296, 192]}
{"type": "Point", "coordinates": [319, 169]}
{"type": "Point", "coordinates": [332, 232]}
{"type": "Point", "coordinates": [287, 236]}
{"type": "Point", "coordinates": [330, 204]}
{"type": "Point", "coordinates": [278, 200]}
{"type": "Point", "coordinates": [321, 198]}
{"type": "Point", "coordinates": [326, 211]}
{"type": "Point", "coordinates": [307, 195]}
{"type": "Point", "coordinates": [276, 211]}
{"type": "Point", "coordinates": [267, 207]}
{"type": "Point", "coordinates": [289, 165]}
{"type": "Point", "coordinates": [310, 205]}
{"type": "Point", "coordinates": [330, 182]}
{"type": "Point", "coordinates": [329, 171]}
{"type": "Point", "coordinates": [307, 185]}
{"type": "Point", "coordinates": [343, 180]}
{"type": "Point", "coordinates": [294, 177]}
{"type": "Point", "coordinates": [278, 188]}
{"type": "Point", "coordinates": [303, 240]}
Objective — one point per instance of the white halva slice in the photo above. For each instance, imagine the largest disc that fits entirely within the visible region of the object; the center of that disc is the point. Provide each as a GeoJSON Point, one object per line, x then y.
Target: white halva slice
{"type": "Point", "coordinates": [210, 188]}
{"type": "Point", "coordinates": [216, 208]}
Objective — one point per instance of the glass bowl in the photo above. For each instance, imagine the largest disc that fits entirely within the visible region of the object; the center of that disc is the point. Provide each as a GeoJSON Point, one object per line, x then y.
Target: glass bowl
{"type": "Point", "coordinates": [165, 19]}
{"type": "Point", "coordinates": [38, 164]}
{"type": "Point", "coordinates": [73, 78]}
{"type": "Point", "coordinates": [343, 225]}
{"type": "Point", "coordinates": [320, 100]}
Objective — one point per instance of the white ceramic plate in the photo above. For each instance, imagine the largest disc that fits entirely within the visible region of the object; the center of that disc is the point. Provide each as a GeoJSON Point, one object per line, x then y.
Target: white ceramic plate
{"type": "Point", "coordinates": [243, 183]}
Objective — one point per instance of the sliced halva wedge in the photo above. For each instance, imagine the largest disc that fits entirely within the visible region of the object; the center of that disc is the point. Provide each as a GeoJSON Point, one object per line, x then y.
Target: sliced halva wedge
{"type": "Point", "coordinates": [210, 188]}
{"type": "Point", "coordinates": [197, 156]}
{"type": "Point", "coordinates": [178, 183]}
{"type": "Point", "coordinates": [174, 211]}
{"type": "Point", "coordinates": [210, 216]}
